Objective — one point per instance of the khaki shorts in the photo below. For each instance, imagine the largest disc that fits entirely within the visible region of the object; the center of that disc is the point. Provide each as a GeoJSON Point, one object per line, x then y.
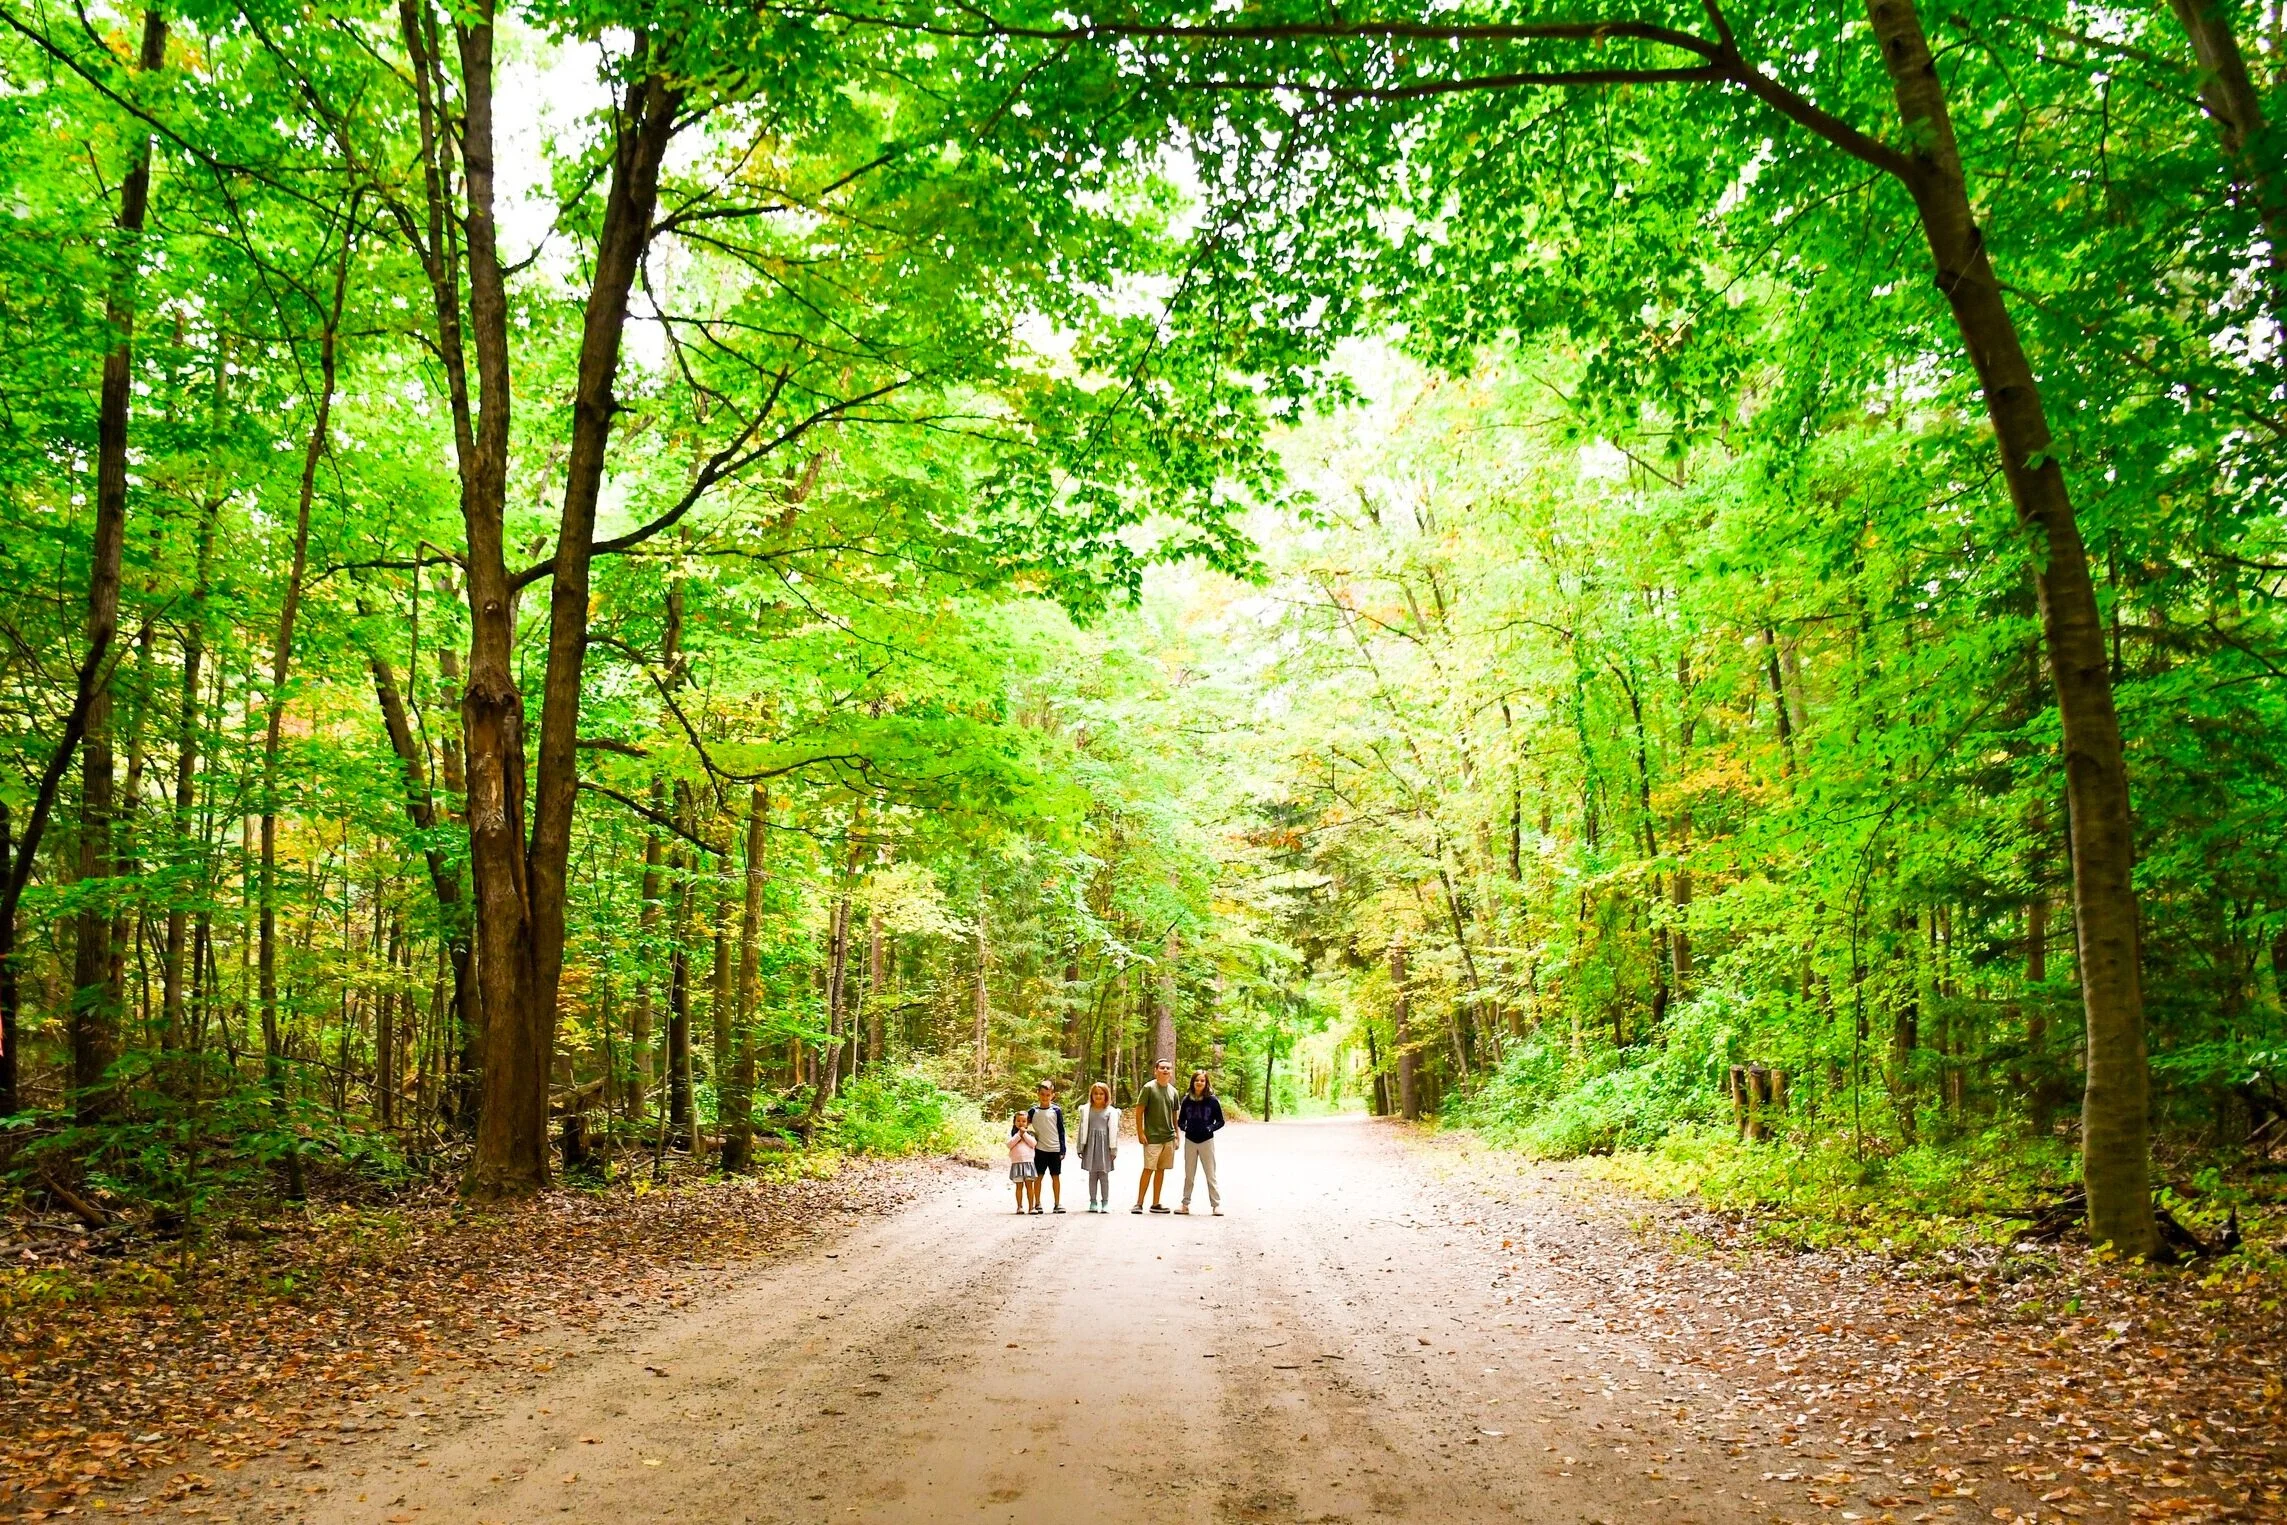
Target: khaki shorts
{"type": "Point", "coordinates": [1159, 1156]}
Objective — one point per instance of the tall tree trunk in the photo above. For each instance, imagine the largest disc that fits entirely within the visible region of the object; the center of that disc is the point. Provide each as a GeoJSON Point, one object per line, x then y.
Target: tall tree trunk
{"type": "Point", "coordinates": [273, 728]}
{"type": "Point", "coordinates": [2115, 1113]}
{"type": "Point", "coordinates": [1163, 1012]}
{"type": "Point", "coordinates": [877, 983]}
{"type": "Point", "coordinates": [421, 810]}
{"type": "Point", "coordinates": [95, 953]}
{"type": "Point", "coordinates": [1778, 681]}
{"type": "Point", "coordinates": [2229, 94]}
{"type": "Point", "coordinates": [463, 1047]}
{"type": "Point", "coordinates": [978, 1005]}
{"type": "Point", "coordinates": [721, 992]}
{"type": "Point", "coordinates": [679, 1008]}
{"type": "Point", "coordinates": [738, 1122]}
{"type": "Point", "coordinates": [520, 886]}
{"type": "Point", "coordinates": [187, 731]}
{"type": "Point", "coordinates": [1401, 1034]}
{"type": "Point", "coordinates": [639, 1036]}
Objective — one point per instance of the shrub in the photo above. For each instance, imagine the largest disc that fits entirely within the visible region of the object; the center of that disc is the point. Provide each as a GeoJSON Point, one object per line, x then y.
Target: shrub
{"type": "Point", "coordinates": [897, 1112]}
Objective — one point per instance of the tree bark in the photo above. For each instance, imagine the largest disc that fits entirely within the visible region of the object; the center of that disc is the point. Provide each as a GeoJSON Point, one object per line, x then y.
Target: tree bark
{"type": "Point", "coordinates": [274, 722]}
{"type": "Point", "coordinates": [738, 1122]}
{"type": "Point", "coordinates": [186, 777]}
{"type": "Point", "coordinates": [95, 986]}
{"type": "Point", "coordinates": [421, 810]}
{"type": "Point", "coordinates": [2115, 1115]}
{"type": "Point", "coordinates": [679, 1120]}
{"type": "Point", "coordinates": [2228, 93]}
{"type": "Point", "coordinates": [1163, 1011]}
{"type": "Point", "coordinates": [639, 1036]}
{"type": "Point", "coordinates": [979, 1008]}
{"type": "Point", "coordinates": [721, 993]}
{"type": "Point", "coordinates": [521, 887]}
{"type": "Point", "coordinates": [1401, 1033]}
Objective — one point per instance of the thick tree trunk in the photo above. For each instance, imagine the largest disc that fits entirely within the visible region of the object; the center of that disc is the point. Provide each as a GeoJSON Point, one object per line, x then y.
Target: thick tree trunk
{"type": "Point", "coordinates": [521, 888]}
{"type": "Point", "coordinates": [2115, 1117]}
{"type": "Point", "coordinates": [95, 955]}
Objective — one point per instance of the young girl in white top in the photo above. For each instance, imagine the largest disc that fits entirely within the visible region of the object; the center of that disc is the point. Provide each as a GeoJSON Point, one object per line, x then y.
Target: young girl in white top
{"type": "Point", "coordinates": [1020, 1158]}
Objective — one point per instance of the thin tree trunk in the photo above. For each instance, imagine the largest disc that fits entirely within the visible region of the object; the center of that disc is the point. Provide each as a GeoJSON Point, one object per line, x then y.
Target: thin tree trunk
{"type": "Point", "coordinates": [979, 1009]}
{"type": "Point", "coordinates": [2115, 1113]}
{"type": "Point", "coordinates": [1163, 1012]}
{"type": "Point", "coordinates": [738, 1124]}
{"type": "Point", "coordinates": [1401, 1028]}
{"type": "Point", "coordinates": [186, 778]}
{"type": "Point", "coordinates": [877, 982]}
{"type": "Point", "coordinates": [721, 988]}
{"type": "Point", "coordinates": [273, 729]}
{"type": "Point", "coordinates": [421, 810]}
{"type": "Point", "coordinates": [646, 939]}
{"type": "Point", "coordinates": [1778, 683]}
{"type": "Point", "coordinates": [679, 1010]}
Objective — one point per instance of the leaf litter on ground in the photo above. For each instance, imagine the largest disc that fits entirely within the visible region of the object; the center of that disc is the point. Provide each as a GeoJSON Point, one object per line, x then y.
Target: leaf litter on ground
{"type": "Point", "coordinates": [132, 1377]}
{"type": "Point", "coordinates": [2046, 1373]}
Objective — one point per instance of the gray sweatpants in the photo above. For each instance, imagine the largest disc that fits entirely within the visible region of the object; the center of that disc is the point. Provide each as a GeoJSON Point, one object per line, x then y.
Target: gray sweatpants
{"type": "Point", "coordinates": [1194, 1157]}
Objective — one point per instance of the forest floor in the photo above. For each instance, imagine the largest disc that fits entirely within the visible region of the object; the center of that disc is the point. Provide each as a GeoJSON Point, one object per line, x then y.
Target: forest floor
{"type": "Point", "coordinates": [1385, 1327]}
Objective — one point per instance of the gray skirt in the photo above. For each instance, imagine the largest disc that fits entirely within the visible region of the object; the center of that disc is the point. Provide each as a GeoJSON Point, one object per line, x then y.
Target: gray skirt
{"type": "Point", "coordinates": [1021, 1170]}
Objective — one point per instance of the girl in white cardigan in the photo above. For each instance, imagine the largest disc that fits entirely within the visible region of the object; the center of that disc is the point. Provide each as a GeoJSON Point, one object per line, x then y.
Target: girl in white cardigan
{"type": "Point", "coordinates": [1098, 1132]}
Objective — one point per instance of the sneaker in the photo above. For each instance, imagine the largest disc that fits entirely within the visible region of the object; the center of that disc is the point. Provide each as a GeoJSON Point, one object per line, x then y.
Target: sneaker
{"type": "Point", "coordinates": [1218, 1212]}
{"type": "Point", "coordinates": [1155, 1207]}
{"type": "Point", "coordinates": [1184, 1211]}
{"type": "Point", "coordinates": [1036, 1212]}
{"type": "Point", "coordinates": [1059, 1207]}
{"type": "Point", "coordinates": [1139, 1208]}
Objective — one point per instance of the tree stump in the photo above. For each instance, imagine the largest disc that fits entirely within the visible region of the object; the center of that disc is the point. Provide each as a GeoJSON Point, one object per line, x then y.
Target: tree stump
{"type": "Point", "coordinates": [1756, 1090]}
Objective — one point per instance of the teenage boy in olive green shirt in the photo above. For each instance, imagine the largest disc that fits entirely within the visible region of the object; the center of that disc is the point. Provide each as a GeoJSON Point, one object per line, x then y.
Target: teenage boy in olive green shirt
{"type": "Point", "coordinates": [1155, 1125]}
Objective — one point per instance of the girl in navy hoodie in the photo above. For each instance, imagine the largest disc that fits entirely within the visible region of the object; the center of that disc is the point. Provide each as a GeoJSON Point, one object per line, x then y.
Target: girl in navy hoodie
{"type": "Point", "coordinates": [1199, 1117]}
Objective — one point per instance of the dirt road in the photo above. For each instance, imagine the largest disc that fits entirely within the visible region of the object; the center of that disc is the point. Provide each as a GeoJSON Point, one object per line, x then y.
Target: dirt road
{"type": "Point", "coordinates": [1338, 1347]}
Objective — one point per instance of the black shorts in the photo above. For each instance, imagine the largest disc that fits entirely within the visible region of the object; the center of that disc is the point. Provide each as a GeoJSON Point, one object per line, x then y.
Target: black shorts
{"type": "Point", "coordinates": [1046, 1164]}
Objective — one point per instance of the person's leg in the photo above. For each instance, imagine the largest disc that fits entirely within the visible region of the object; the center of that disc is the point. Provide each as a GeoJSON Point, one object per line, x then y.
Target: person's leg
{"type": "Point", "coordinates": [1207, 1164]}
{"type": "Point", "coordinates": [1190, 1172]}
{"type": "Point", "coordinates": [1159, 1176]}
{"type": "Point", "coordinates": [1143, 1180]}
{"type": "Point", "coordinates": [1020, 1196]}
{"type": "Point", "coordinates": [1057, 1188]}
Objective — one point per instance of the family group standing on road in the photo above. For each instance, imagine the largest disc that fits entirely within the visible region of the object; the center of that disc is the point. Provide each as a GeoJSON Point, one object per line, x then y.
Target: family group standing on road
{"type": "Point", "coordinates": [1039, 1143]}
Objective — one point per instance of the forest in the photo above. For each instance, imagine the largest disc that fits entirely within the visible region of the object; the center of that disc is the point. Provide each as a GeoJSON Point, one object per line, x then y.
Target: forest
{"type": "Point", "coordinates": [599, 588]}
